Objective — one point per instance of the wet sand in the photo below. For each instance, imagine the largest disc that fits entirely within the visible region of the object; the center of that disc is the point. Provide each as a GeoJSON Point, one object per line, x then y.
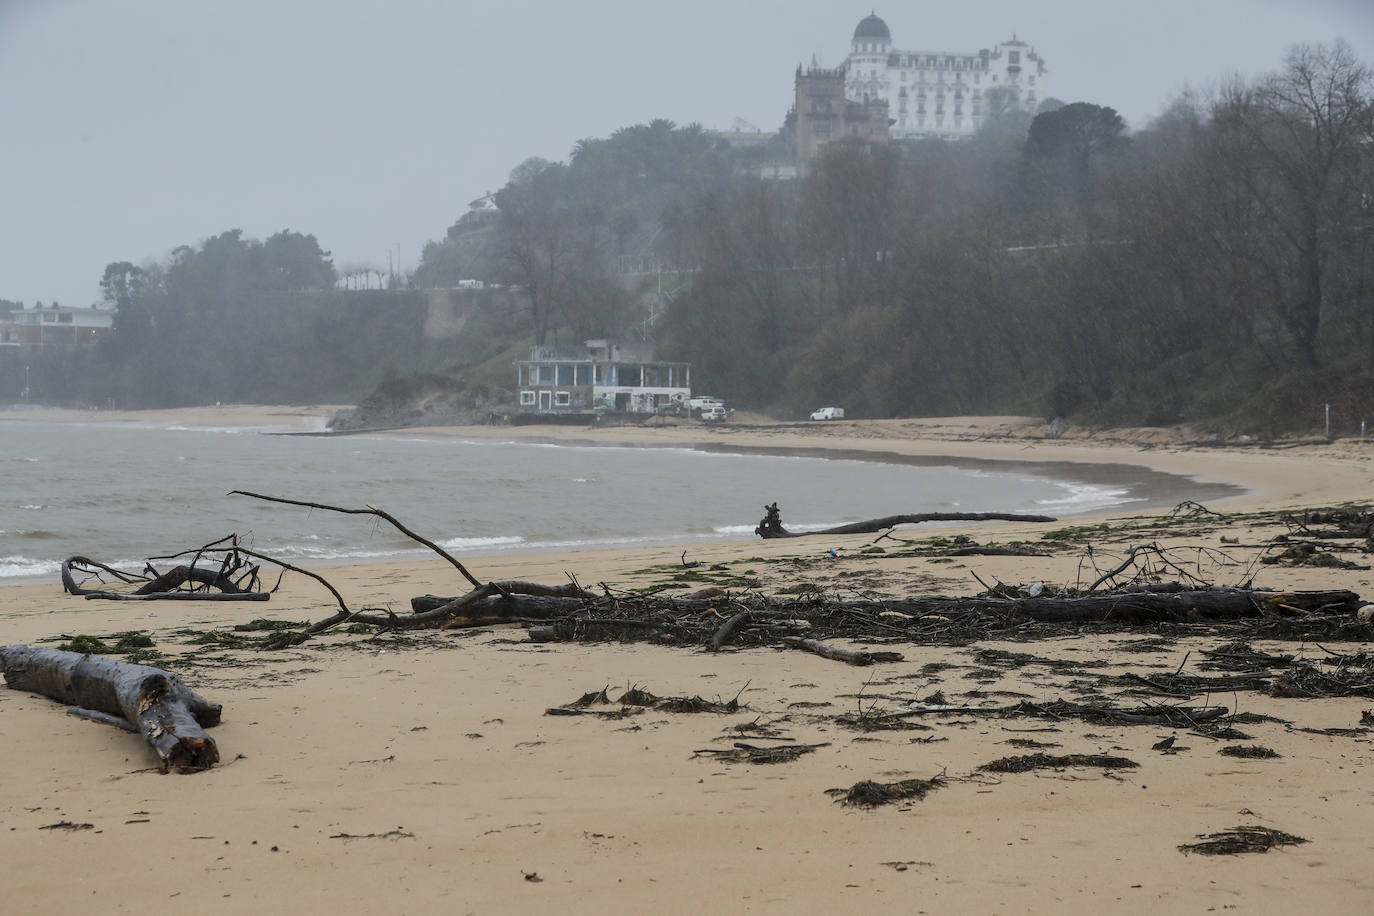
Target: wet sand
{"type": "Point", "coordinates": [384, 775]}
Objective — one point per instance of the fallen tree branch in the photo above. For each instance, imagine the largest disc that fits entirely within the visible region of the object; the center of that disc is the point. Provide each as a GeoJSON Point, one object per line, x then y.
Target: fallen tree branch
{"type": "Point", "coordinates": [370, 510]}
{"type": "Point", "coordinates": [771, 524]}
{"type": "Point", "coordinates": [169, 715]}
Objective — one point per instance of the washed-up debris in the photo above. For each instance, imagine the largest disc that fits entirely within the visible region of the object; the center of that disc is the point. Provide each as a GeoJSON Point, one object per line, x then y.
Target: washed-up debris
{"type": "Point", "coordinates": [752, 753]}
{"type": "Point", "coordinates": [870, 794]}
{"type": "Point", "coordinates": [1305, 680]}
{"type": "Point", "coordinates": [1249, 752]}
{"type": "Point", "coordinates": [1024, 763]}
{"type": "Point", "coordinates": [636, 698]}
{"type": "Point", "coordinates": [1240, 840]}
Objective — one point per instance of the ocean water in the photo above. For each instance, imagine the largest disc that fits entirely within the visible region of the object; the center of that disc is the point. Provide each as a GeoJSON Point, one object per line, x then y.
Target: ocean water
{"type": "Point", "coordinates": [118, 493]}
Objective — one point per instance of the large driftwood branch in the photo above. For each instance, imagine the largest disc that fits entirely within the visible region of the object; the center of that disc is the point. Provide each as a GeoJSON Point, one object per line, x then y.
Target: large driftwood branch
{"type": "Point", "coordinates": [771, 524]}
{"type": "Point", "coordinates": [170, 716]}
{"type": "Point", "coordinates": [370, 510]}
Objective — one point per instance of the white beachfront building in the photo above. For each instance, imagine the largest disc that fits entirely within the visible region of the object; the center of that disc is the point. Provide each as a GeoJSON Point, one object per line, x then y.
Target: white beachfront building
{"type": "Point", "coordinates": [944, 94]}
{"type": "Point", "coordinates": [602, 375]}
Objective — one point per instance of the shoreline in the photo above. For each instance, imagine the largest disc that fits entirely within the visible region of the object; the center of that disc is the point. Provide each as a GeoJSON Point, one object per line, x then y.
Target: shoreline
{"type": "Point", "coordinates": [420, 772]}
{"type": "Point", "coordinates": [1132, 484]}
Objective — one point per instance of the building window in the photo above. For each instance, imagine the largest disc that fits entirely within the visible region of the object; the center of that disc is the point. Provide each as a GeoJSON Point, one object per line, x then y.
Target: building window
{"type": "Point", "coordinates": [546, 375]}
{"type": "Point", "coordinates": [565, 374]}
{"type": "Point", "coordinates": [584, 375]}
{"type": "Point", "coordinates": [562, 399]}
{"type": "Point", "coordinates": [527, 399]}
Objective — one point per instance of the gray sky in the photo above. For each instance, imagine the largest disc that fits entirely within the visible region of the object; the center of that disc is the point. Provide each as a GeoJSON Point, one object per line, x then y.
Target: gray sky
{"type": "Point", "coordinates": [134, 126]}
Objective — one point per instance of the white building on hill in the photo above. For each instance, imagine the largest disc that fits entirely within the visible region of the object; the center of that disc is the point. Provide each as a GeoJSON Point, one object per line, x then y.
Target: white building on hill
{"type": "Point", "coordinates": [946, 94]}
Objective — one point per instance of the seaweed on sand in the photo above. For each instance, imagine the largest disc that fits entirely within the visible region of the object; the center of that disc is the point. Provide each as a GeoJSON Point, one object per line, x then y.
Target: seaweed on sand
{"type": "Point", "coordinates": [1024, 763]}
{"type": "Point", "coordinates": [870, 794]}
{"type": "Point", "coordinates": [1249, 752]}
{"type": "Point", "coordinates": [1240, 840]}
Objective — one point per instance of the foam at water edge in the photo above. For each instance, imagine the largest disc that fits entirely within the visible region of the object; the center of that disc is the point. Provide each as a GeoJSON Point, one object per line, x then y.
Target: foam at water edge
{"type": "Point", "coordinates": [1087, 497]}
{"type": "Point", "coordinates": [478, 543]}
{"type": "Point", "coordinates": [20, 567]}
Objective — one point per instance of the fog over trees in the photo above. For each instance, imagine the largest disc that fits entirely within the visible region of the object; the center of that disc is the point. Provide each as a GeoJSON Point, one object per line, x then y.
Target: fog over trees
{"type": "Point", "coordinates": [1215, 265]}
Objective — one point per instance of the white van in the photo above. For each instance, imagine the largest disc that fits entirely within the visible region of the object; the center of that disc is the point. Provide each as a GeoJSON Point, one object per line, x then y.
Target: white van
{"type": "Point", "coordinates": [828, 413]}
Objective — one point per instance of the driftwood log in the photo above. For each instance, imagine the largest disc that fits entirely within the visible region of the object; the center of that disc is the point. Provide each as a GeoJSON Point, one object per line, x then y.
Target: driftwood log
{"type": "Point", "coordinates": [770, 526]}
{"type": "Point", "coordinates": [1140, 607]}
{"type": "Point", "coordinates": [170, 716]}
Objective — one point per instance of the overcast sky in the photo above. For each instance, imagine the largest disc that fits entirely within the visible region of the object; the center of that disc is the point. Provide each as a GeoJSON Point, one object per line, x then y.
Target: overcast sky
{"type": "Point", "coordinates": [133, 126]}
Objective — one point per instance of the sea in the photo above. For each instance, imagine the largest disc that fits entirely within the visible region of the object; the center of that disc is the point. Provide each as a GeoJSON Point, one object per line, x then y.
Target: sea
{"type": "Point", "coordinates": [118, 493]}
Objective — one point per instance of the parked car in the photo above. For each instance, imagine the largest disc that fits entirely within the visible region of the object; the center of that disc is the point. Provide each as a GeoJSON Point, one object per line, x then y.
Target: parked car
{"type": "Point", "coordinates": [828, 413]}
{"type": "Point", "coordinates": [701, 402]}
{"type": "Point", "coordinates": [713, 414]}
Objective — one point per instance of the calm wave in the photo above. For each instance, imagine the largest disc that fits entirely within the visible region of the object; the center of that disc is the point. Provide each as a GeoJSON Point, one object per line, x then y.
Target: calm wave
{"type": "Point", "coordinates": [121, 492]}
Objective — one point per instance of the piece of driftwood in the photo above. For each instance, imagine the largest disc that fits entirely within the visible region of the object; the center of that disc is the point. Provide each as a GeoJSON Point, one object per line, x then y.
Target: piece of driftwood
{"type": "Point", "coordinates": [580, 613]}
{"type": "Point", "coordinates": [835, 653]}
{"type": "Point", "coordinates": [727, 629]}
{"type": "Point", "coordinates": [475, 607]}
{"type": "Point", "coordinates": [771, 524]}
{"type": "Point", "coordinates": [231, 578]}
{"type": "Point", "coordinates": [170, 716]}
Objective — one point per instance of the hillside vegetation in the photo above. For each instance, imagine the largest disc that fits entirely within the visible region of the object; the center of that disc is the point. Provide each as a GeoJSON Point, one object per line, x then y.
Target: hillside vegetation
{"type": "Point", "coordinates": [1213, 268]}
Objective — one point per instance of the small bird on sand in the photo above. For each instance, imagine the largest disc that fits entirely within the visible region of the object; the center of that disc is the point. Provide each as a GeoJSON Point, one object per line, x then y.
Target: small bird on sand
{"type": "Point", "coordinates": [1165, 744]}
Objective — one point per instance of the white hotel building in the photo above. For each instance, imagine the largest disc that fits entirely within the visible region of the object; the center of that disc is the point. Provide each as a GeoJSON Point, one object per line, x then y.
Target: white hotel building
{"type": "Point", "coordinates": [945, 94]}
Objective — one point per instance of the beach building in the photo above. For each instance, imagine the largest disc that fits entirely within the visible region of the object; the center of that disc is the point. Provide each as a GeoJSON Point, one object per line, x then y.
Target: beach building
{"type": "Point", "coordinates": [942, 94]}
{"type": "Point", "coordinates": [53, 325]}
{"type": "Point", "coordinates": [600, 376]}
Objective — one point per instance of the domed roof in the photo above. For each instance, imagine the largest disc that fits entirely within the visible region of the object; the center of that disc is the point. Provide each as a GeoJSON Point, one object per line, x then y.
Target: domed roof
{"type": "Point", "coordinates": [872, 27]}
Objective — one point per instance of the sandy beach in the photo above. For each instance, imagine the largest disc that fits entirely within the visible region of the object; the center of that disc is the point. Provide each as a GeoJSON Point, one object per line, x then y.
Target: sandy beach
{"type": "Point", "coordinates": [421, 774]}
